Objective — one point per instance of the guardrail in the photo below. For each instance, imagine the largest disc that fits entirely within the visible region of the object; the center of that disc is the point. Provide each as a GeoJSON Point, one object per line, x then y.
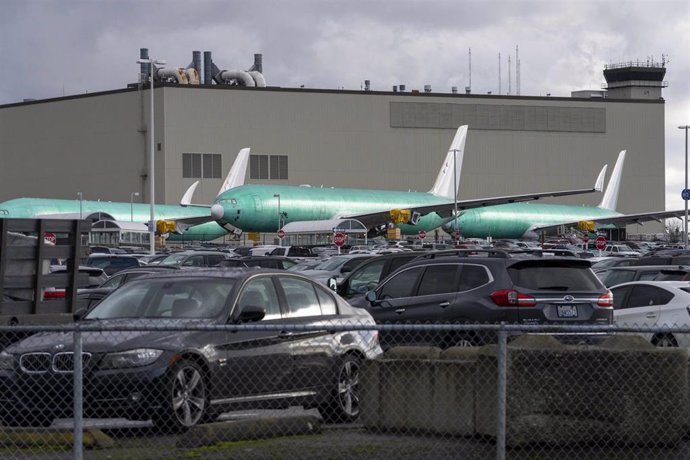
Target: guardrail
{"type": "Point", "coordinates": [526, 394]}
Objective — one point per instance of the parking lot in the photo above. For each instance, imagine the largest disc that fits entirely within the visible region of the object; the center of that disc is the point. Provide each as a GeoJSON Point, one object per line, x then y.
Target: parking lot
{"type": "Point", "coordinates": [418, 352]}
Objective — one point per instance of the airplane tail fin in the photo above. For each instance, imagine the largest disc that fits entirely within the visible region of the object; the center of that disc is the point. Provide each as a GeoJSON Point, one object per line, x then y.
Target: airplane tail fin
{"type": "Point", "coordinates": [237, 173]}
{"type": "Point", "coordinates": [187, 197]}
{"type": "Point", "coordinates": [452, 166]}
{"type": "Point", "coordinates": [610, 198]}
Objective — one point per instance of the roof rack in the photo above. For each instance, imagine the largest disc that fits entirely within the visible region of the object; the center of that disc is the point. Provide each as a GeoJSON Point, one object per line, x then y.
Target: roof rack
{"type": "Point", "coordinates": [493, 253]}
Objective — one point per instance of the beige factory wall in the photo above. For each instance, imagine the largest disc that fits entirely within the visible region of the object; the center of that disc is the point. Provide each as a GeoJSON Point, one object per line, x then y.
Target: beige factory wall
{"type": "Point", "coordinates": [97, 144]}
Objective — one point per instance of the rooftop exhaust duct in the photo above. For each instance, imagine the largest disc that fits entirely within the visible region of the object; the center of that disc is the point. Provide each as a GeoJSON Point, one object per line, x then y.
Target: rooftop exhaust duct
{"type": "Point", "coordinates": [367, 85]}
{"type": "Point", "coordinates": [427, 88]}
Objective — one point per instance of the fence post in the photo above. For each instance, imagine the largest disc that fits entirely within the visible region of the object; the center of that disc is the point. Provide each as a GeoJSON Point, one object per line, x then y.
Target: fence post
{"type": "Point", "coordinates": [78, 395]}
{"type": "Point", "coordinates": [501, 393]}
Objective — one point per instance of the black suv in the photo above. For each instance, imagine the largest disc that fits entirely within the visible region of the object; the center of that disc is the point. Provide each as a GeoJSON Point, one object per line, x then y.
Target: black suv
{"type": "Point", "coordinates": [490, 288]}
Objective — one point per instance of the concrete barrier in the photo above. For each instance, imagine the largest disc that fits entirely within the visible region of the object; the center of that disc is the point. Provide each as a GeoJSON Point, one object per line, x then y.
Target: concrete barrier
{"type": "Point", "coordinates": [624, 391]}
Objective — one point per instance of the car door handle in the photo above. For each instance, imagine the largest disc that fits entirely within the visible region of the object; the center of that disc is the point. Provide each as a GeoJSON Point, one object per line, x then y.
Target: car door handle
{"type": "Point", "coordinates": [650, 315]}
{"type": "Point", "coordinates": [444, 304]}
{"type": "Point", "coordinates": [400, 310]}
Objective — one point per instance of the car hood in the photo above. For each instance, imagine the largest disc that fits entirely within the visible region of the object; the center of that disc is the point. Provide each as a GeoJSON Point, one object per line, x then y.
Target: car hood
{"type": "Point", "coordinates": [112, 340]}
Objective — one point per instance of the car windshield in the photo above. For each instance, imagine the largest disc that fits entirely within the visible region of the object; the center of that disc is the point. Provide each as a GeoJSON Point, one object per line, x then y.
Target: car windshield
{"type": "Point", "coordinates": [175, 259]}
{"type": "Point", "coordinates": [334, 263]}
{"type": "Point", "coordinates": [165, 298]}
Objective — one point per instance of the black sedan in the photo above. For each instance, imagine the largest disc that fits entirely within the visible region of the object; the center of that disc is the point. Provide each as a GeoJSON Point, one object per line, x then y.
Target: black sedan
{"type": "Point", "coordinates": [179, 378]}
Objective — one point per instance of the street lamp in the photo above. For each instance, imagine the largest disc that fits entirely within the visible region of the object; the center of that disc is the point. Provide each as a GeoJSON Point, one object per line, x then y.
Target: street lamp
{"type": "Point", "coordinates": [131, 205]}
{"type": "Point", "coordinates": [455, 195]}
{"type": "Point", "coordinates": [280, 218]}
{"type": "Point", "coordinates": [80, 208]}
{"type": "Point", "coordinates": [685, 190]}
{"type": "Point", "coordinates": [152, 226]}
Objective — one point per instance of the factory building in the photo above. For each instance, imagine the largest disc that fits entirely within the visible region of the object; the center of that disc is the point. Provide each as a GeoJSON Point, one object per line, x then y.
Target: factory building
{"type": "Point", "coordinates": [98, 143]}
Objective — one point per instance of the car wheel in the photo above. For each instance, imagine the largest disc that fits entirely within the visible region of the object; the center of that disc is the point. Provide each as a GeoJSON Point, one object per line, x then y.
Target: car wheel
{"type": "Point", "coordinates": [185, 398]}
{"type": "Point", "coordinates": [664, 340]}
{"type": "Point", "coordinates": [344, 406]}
{"type": "Point", "coordinates": [462, 340]}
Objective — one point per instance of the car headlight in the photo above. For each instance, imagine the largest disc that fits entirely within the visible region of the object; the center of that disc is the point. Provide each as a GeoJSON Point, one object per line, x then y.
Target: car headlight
{"type": "Point", "coordinates": [6, 361]}
{"type": "Point", "coordinates": [132, 358]}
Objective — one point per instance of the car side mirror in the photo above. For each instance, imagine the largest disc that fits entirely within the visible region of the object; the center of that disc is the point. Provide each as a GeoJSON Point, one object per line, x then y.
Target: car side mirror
{"type": "Point", "coordinates": [332, 284]}
{"type": "Point", "coordinates": [371, 297]}
{"type": "Point", "coordinates": [251, 313]}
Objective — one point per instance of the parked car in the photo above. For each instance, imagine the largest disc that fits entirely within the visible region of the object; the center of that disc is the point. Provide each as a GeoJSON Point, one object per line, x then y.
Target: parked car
{"type": "Point", "coordinates": [336, 266]}
{"type": "Point", "coordinates": [489, 289]}
{"type": "Point", "coordinates": [620, 250]}
{"type": "Point", "coordinates": [654, 304]}
{"type": "Point", "coordinates": [292, 251]}
{"type": "Point", "coordinates": [112, 263]}
{"type": "Point", "coordinates": [93, 295]}
{"type": "Point", "coordinates": [609, 262]}
{"type": "Point", "coordinates": [277, 262]}
{"type": "Point", "coordinates": [179, 378]}
{"type": "Point", "coordinates": [90, 277]}
{"type": "Point", "coordinates": [367, 275]}
{"type": "Point", "coordinates": [196, 258]}
{"type": "Point", "coordinates": [618, 275]}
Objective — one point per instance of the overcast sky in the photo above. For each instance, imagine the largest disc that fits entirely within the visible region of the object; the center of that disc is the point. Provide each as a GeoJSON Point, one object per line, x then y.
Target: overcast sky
{"type": "Point", "coordinates": [52, 48]}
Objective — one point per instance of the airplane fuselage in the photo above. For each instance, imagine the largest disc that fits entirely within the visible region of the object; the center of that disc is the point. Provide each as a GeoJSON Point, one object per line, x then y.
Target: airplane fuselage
{"type": "Point", "coordinates": [516, 220]}
{"type": "Point", "coordinates": [136, 212]}
{"type": "Point", "coordinates": [254, 208]}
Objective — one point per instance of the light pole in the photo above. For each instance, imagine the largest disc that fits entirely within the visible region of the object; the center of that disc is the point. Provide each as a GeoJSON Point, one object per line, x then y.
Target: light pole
{"type": "Point", "coordinates": [152, 222]}
{"type": "Point", "coordinates": [131, 205]}
{"type": "Point", "coordinates": [455, 196]}
{"type": "Point", "coordinates": [280, 218]}
{"type": "Point", "coordinates": [80, 201]}
{"type": "Point", "coordinates": [685, 192]}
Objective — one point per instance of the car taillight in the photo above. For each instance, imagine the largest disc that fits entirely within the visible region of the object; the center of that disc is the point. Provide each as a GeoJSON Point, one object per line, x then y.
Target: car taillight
{"type": "Point", "coordinates": [512, 298]}
{"type": "Point", "coordinates": [53, 295]}
{"type": "Point", "coordinates": [606, 300]}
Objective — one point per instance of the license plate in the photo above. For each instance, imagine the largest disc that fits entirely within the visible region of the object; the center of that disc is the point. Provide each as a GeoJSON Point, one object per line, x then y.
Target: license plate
{"type": "Point", "coordinates": [567, 311]}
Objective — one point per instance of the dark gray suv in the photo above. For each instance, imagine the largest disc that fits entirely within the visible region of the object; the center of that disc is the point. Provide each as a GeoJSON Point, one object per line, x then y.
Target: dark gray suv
{"type": "Point", "coordinates": [488, 289]}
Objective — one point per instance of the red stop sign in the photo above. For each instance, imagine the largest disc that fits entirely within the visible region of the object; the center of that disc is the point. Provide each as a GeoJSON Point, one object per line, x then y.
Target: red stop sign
{"type": "Point", "coordinates": [339, 239]}
{"type": "Point", "coordinates": [281, 233]}
{"type": "Point", "coordinates": [421, 234]}
{"type": "Point", "coordinates": [600, 242]}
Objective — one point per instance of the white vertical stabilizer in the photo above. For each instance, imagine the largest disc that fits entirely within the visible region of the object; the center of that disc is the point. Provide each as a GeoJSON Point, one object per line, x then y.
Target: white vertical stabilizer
{"type": "Point", "coordinates": [447, 176]}
{"type": "Point", "coordinates": [610, 198]}
{"type": "Point", "coordinates": [237, 173]}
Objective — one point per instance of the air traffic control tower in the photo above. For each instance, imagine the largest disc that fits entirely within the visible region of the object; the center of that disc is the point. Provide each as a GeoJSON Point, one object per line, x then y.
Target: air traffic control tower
{"type": "Point", "coordinates": [635, 80]}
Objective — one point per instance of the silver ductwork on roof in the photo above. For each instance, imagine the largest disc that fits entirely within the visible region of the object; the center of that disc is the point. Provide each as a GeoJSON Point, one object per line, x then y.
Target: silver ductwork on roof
{"type": "Point", "coordinates": [191, 75]}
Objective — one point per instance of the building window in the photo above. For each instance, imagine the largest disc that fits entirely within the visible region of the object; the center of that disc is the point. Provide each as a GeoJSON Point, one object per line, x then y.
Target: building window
{"type": "Point", "coordinates": [198, 165]}
{"type": "Point", "coordinates": [268, 167]}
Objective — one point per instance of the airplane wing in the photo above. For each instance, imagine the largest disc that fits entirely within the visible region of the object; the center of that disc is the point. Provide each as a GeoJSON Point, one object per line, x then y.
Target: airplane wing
{"type": "Point", "coordinates": [445, 210]}
{"type": "Point", "coordinates": [619, 220]}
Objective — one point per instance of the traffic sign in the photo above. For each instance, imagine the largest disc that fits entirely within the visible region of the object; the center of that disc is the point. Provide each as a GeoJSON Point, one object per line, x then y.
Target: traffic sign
{"type": "Point", "coordinates": [281, 233]}
{"type": "Point", "coordinates": [685, 194]}
{"type": "Point", "coordinates": [456, 235]}
{"type": "Point", "coordinates": [339, 239]}
{"type": "Point", "coordinates": [600, 242]}
{"type": "Point", "coordinates": [50, 238]}
{"type": "Point", "coordinates": [421, 234]}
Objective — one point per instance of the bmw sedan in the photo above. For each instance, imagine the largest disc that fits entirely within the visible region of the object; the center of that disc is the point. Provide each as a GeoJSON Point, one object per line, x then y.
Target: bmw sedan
{"type": "Point", "coordinates": [179, 377]}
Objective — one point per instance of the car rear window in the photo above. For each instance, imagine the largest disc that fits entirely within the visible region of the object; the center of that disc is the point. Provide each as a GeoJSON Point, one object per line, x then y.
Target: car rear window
{"type": "Point", "coordinates": [557, 276]}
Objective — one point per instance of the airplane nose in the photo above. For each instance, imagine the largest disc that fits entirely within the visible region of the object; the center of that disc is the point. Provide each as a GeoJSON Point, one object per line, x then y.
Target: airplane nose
{"type": "Point", "coordinates": [217, 211]}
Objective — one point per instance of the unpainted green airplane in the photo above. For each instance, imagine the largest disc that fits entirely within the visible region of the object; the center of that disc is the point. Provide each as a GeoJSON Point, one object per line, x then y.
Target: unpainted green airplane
{"type": "Point", "coordinates": [527, 220]}
{"type": "Point", "coordinates": [47, 208]}
{"type": "Point", "coordinates": [256, 208]}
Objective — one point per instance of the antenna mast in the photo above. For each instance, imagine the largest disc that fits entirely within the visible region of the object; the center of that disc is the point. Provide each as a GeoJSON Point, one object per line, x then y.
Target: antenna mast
{"type": "Point", "coordinates": [509, 74]}
{"type": "Point", "coordinates": [499, 73]}
{"type": "Point", "coordinates": [517, 71]}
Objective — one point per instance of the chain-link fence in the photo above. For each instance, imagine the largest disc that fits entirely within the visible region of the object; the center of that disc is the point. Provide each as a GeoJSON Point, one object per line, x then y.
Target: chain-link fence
{"type": "Point", "coordinates": [134, 390]}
